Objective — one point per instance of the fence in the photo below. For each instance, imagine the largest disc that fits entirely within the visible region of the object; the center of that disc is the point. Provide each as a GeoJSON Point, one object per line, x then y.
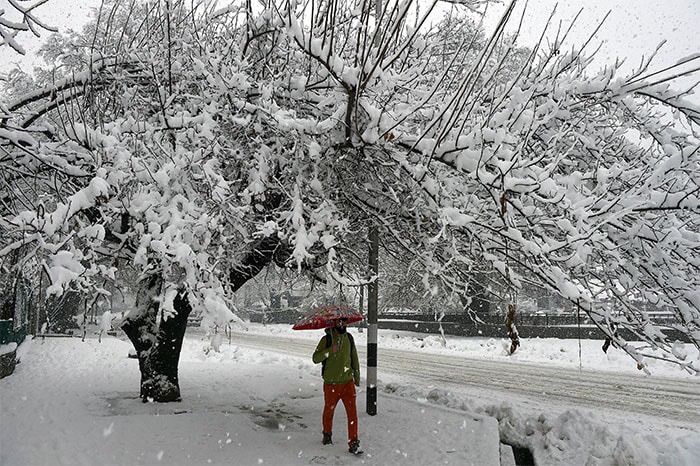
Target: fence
{"type": "Point", "coordinates": [529, 326]}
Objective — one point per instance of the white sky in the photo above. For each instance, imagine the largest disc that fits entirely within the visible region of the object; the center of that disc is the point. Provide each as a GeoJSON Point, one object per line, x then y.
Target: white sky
{"type": "Point", "coordinates": [632, 31]}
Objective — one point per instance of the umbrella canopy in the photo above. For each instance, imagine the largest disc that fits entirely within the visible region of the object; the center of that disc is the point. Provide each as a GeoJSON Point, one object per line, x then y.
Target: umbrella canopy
{"type": "Point", "coordinates": [326, 316]}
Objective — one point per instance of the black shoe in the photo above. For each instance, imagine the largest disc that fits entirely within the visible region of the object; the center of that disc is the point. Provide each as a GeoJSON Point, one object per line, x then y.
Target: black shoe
{"type": "Point", "coordinates": [354, 447]}
{"type": "Point", "coordinates": [327, 438]}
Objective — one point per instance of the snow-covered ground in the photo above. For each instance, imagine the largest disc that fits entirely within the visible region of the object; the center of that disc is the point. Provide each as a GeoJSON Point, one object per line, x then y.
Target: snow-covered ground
{"type": "Point", "coordinates": [74, 402]}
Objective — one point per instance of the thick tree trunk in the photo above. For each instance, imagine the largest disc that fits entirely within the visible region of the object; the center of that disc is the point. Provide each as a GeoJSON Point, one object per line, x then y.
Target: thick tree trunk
{"type": "Point", "coordinates": [141, 327]}
{"type": "Point", "coordinates": [158, 346]}
{"type": "Point", "coordinates": [160, 382]}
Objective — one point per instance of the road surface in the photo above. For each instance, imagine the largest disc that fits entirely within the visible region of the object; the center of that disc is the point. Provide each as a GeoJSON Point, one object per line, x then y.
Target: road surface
{"type": "Point", "coordinates": [674, 402]}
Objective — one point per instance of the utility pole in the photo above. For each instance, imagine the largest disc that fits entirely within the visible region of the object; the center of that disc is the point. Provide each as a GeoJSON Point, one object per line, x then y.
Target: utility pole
{"type": "Point", "coordinates": [372, 314]}
{"type": "Point", "coordinates": [362, 304]}
{"type": "Point", "coordinates": [373, 288]}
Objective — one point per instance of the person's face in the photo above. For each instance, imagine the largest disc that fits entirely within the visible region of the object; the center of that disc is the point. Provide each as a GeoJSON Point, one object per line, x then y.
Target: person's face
{"type": "Point", "coordinates": [340, 324]}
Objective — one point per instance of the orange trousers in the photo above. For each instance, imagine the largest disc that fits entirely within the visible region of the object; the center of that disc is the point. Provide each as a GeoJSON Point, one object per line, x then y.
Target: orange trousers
{"type": "Point", "coordinates": [332, 393]}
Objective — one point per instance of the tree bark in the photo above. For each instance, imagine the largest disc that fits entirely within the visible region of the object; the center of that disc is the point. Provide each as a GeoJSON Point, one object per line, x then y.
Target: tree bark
{"type": "Point", "coordinates": [158, 345]}
{"type": "Point", "coordinates": [266, 251]}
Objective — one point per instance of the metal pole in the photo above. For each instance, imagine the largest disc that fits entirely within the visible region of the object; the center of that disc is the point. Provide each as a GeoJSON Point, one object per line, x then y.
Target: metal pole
{"type": "Point", "coordinates": [373, 288]}
{"type": "Point", "coordinates": [372, 305]}
{"type": "Point", "coordinates": [362, 304]}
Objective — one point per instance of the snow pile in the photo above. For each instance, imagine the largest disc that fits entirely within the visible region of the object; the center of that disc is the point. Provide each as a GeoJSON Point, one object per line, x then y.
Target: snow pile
{"type": "Point", "coordinates": [578, 438]}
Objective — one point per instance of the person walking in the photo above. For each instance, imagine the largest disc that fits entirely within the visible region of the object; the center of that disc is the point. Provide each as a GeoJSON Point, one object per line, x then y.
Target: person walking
{"type": "Point", "coordinates": [341, 373]}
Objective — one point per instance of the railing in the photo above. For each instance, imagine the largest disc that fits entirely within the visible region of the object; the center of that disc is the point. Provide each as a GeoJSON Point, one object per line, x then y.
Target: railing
{"type": "Point", "coordinates": [492, 326]}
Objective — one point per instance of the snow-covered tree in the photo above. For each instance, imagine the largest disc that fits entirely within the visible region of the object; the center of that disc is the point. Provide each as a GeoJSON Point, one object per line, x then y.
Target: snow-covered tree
{"type": "Point", "coordinates": [10, 29]}
{"type": "Point", "coordinates": [199, 146]}
{"type": "Point", "coordinates": [584, 183]}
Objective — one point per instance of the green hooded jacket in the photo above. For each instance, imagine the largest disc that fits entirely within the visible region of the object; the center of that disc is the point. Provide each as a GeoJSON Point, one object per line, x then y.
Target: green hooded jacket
{"type": "Point", "coordinates": [343, 366]}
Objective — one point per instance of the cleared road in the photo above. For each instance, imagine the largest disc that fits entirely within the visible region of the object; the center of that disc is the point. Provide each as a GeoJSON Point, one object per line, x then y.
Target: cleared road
{"type": "Point", "coordinates": [676, 401]}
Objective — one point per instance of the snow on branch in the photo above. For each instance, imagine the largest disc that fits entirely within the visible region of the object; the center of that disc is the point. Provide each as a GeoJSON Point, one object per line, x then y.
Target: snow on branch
{"type": "Point", "coordinates": [9, 30]}
{"type": "Point", "coordinates": [279, 141]}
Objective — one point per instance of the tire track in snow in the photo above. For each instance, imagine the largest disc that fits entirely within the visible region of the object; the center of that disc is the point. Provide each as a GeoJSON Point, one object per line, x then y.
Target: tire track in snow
{"type": "Point", "coordinates": [673, 400]}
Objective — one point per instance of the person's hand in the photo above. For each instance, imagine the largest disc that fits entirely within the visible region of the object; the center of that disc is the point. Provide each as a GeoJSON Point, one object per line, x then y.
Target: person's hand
{"type": "Point", "coordinates": [334, 348]}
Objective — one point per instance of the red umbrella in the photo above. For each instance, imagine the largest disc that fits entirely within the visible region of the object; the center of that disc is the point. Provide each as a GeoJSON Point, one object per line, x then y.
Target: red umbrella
{"type": "Point", "coordinates": [326, 316]}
